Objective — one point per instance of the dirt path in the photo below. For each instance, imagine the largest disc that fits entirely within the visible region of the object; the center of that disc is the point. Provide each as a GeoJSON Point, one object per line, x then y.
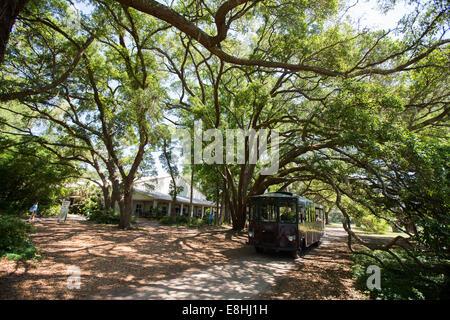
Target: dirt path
{"type": "Point", "coordinates": [162, 262]}
{"type": "Point", "coordinates": [241, 278]}
{"type": "Point", "coordinates": [109, 258]}
{"type": "Point", "coordinates": [323, 273]}
{"type": "Point", "coordinates": [70, 217]}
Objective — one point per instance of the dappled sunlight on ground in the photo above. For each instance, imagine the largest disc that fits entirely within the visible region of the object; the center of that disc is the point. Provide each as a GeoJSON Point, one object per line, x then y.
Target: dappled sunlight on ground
{"type": "Point", "coordinates": [322, 273]}
{"type": "Point", "coordinates": [238, 279]}
{"type": "Point", "coordinates": [111, 258]}
{"type": "Point", "coordinates": [170, 262]}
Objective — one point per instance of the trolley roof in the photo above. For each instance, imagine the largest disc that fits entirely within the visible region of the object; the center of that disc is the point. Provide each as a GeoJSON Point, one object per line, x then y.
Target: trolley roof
{"type": "Point", "coordinates": [280, 194]}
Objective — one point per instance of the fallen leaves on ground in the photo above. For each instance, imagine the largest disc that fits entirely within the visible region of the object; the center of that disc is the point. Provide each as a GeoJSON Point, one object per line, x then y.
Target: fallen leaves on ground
{"type": "Point", "coordinates": [111, 259]}
{"type": "Point", "coordinates": [323, 273]}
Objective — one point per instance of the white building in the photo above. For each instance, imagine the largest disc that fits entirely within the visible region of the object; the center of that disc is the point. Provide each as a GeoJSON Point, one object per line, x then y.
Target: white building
{"type": "Point", "coordinates": [152, 193]}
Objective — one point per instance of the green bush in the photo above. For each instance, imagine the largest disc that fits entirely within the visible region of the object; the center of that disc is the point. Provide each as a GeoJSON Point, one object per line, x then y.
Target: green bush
{"type": "Point", "coordinates": [53, 210]}
{"type": "Point", "coordinates": [14, 238]}
{"type": "Point", "coordinates": [400, 284]}
{"type": "Point", "coordinates": [335, 216]}
{"type": "Point", "coordinates": [167, 220]}
{"type": "Point", "coordinates": [196, 222]}
{"type": "Point", "coordinates": [104, 217]}
{"type": "Point", "coordinates": [158, 213]}
{"type": "Point", "coordinates": [89, 206]}
{"type": "Point", "coordinates": [371, 223]}
{"type": "Point", "coordinates": [183, 221]}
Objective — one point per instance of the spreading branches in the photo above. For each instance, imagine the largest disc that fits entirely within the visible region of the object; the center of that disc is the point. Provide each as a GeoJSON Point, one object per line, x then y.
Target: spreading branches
{"type": "Point", "coordinates": [7, 96]}
{"type": "Point", "coordinates": [213, 43]}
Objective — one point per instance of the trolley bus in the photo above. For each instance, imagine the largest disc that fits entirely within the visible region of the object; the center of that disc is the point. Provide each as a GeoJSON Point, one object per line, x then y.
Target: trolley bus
{"type": "Point", "coordinates": [283, 221]}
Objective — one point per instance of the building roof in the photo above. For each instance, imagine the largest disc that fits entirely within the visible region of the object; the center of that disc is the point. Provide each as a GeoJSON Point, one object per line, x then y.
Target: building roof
{"type": "Point", "coordinates": [162, 183]}
{"type": "Point", "coordinates": [162, 196]}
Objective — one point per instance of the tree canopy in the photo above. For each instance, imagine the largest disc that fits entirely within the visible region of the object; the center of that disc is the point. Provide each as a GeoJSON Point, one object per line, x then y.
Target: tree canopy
{"type": "Point", "coordinates": [362, 114]}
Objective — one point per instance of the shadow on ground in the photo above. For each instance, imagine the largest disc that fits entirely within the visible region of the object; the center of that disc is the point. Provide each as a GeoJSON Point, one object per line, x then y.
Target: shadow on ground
{"type": "Point", "coordinates": [323, 272]}
{"type": "Point", "coordinates": [110, 258]}
{"type": "Point", "coordinates": [167, 262]}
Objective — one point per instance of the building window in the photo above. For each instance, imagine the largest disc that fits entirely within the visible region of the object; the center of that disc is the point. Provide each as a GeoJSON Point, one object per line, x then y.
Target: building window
{"type": "Point", "coordinates": [138, 210]}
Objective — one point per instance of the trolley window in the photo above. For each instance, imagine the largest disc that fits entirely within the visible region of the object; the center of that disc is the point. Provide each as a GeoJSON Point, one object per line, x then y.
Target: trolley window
{"type": "Point", "coordinates": [309, 213]}
{"type": "Point", "coordinates": [288, 212]}
{"type": "Point", "coordinates": [319, 214]}
{"type": "Point", "coordinates": [268, 212]}
{"type": "Point", "coordinates": [301, 213]}
{"type": "Point", "coordinates": [253, 213]}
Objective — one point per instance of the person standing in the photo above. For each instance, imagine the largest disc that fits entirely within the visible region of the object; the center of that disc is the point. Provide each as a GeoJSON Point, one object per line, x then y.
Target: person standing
{"type": "Point", "coordinates": [33, 210]}
{"type": "Point", "coordinates": [211, 217]}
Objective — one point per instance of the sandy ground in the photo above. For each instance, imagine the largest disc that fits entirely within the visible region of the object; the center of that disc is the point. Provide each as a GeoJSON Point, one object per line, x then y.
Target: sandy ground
{"type": "Point", "coordinates": [164, 262]}
{"type": "Point", "coordinates": [322, 273]}
{"type": "Point", "coordinates": [238, 279]}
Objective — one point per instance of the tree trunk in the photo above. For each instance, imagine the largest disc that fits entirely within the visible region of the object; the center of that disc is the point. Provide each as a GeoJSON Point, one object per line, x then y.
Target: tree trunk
{"type": "Point", "coordinates": [105, 185]}
{"type": "Point", "coordinates": [238, 198]}
{"type": "Point", "coordinates": [326, 216]}
{"type": "Point", "coordinates": [9, 10]}
{"type": "Point", "coordinates": [225, 203]}
{"type": "Point", "coordinates": [237, 209]}
{"type": "Point", "coordinates": [106, 197]}
{"type": "Point", "coordinates": [221, 211]}
{"type": "Point", "coordinates": [114, 200]}
{"type": "Point", "coordinates": [173, 212]}
{"type": "Point", "coordinates": [116, 195]}
{"type": "Point", "coordinates": [240, 218]}
{"type": "Point", "coordinates": [191, 208]}
{"type": "Point", "coordinates": [217, 204]}
{"type": "Point", "coordinates": [125, 214]}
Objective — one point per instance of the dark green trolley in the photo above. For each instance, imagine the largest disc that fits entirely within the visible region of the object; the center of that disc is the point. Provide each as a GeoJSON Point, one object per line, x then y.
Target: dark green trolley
{"type": "Point", "coordinates": [283, 221]}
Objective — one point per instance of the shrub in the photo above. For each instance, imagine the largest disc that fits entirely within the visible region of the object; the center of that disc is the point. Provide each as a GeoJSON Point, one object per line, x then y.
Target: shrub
{"type": "Point", "coordinates": [104, 217]}
{"type": "Point", "coordinates": [183, 221]}
{"type": "Point", "coordinates": [89, 206]}
{"type": "Point", "coordinates": [14, 238]}
{"type": "Point", "coordinates": [335, 216]}
{"type": "Point", "coordinates": [198, 222]}
{"type": "Point", "coordinates": [167, 220]}
{"type": "Point", "coordinates": [371, 223]}
{"type": "Point", "coordinates": [399, 284]}
{"type": "Point", "coordinates": [53, 210]}
{"type": "Point", "coordinates": [158, 213]}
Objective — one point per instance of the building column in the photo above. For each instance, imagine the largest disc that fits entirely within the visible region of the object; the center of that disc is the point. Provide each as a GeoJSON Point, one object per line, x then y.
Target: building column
{"type": "Point", "coordinates": [181, 209]}
{"type": "Point", "coordinates": [203, 211]}
{"type": "Point", "coordinates": [169, 210]}
{"type": "Point", "coordinates": [154, 208]}
{"type": "Point", "coordinates": [191, 214]}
